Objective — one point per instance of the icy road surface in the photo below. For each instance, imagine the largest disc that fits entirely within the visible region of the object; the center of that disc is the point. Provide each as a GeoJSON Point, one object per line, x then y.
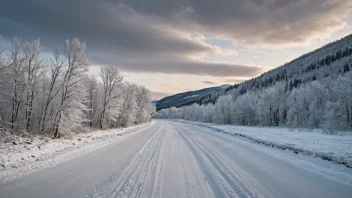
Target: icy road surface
{"type": "Point", "coordinates": [171, 159]}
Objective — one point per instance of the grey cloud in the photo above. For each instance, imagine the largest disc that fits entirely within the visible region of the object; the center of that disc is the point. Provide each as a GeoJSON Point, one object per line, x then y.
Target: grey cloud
{"type": "Point", "coordinates": [200, 68]}
{"type": "Point", "coordinates": [103, 25]}
{"type": "Point", "coordinates": [208, 82]}
{"type": "Point", "coordinates": [269, 22]}
{"type": "Point", "coordinates": [178, 65]}
{"type": "Point", "coordinates": [106, 23]}
{"type": "Point", "coordinates": [114, 33]}
{"type": "Point", "coordinates": [146, 36]}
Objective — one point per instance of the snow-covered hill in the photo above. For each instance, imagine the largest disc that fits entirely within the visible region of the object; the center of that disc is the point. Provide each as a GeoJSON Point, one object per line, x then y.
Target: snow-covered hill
{"type": "Point", "coordinates": [189, 97]}
{"type": "Point", "coordinates": [312, 91]}
{"type": "Point", "coordinates": [328, 61]}
{"type": "Point", "coordinates": [155, 102]}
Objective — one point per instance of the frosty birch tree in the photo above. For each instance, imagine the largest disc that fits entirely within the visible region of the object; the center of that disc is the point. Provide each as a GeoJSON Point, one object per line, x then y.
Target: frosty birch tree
{"type": "Point", "coordinates": [223, 109]}
{"type": "Point", "coordinates": [32, 70]}
{"type": "Point", "coordinates": [51, 92]}
{"type": "Point", "coordinates": [143, 105]}
{"type": "Point", "coordinates": [17, 80]}
{"type": "Point", "coordinates": [91, 84]}
{"type": "Point", "coordinates": [128, 105]}
{"type": "Point", "coordinates": [316, 104]}
{"type": "Point", "coordinates": [55, 95]}
{"type": "Point", "coordinates": [73, 95]}
{"type": "Point", "coordinates": [3, 62]}
{"type": "Point", "coordinates": [112, 80]}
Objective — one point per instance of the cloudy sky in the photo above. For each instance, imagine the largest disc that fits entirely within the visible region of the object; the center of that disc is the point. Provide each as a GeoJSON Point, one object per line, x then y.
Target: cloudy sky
{"type": "Point", "coordinates": [178, 45]}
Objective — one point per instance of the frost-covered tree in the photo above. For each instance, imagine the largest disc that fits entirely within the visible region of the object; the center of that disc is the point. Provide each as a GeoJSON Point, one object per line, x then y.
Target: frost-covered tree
{"type": "Point", "coordinates": [322, 103]}
{"type": "Point", "coordinates": [223, 108]}
{"type": "Point", "coordinates": [3, 61]}
{"type": "Point", "coordinates": [128, 110]}
{"type": "Point", "coordinates": [55, 95]}
{"type": "Point", "coordinates": [51, 86]}
{"type": "Point", "coordinates": [32, 72]}
{"type": "Point", "coordinates": [144, 107]}
{"type": "Point", "coordinates": [112, 81]}
{"type": "Point", "coordinates": [71, 107]}
{"type": "Point", "coordinates": [91, 85]}
{"type": "Point", "coordinates": [16, 68]}
{"type": "Point", "coordinates": [338, 109]}
{"type": "Point", "coordinates": [244, 110]}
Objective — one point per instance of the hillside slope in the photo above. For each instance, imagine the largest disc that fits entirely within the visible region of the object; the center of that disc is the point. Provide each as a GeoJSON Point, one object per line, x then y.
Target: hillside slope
{"type": "Point", "coordinates": [189, 97]}
{"type": "Point", "coordinates": [326, 62]}
{"type": "Point", "coordinates": [312, 91]}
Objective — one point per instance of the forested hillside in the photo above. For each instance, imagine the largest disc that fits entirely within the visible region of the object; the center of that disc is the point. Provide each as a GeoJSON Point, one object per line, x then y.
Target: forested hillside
{"type": "Point", "coordinates": [314, 90]}
{"type": "Point", "coordinates": [187, 98]}
{"type": "Point", "coordinates": [55, 95]}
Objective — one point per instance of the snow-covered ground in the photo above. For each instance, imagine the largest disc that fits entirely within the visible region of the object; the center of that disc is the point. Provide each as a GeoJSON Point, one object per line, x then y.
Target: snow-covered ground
{"type": "Point", "coordinates": [27, 155]}
{"type": "Point", "coordinates": [336, 148]}
{"type": "Point", "coordinates": [173, 159]}
{"type": "Point", "coordinates": [192, 96]}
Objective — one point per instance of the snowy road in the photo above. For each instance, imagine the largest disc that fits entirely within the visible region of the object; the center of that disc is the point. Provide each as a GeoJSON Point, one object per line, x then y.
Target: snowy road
{"type": "Point", "coordinates": [172, 159]}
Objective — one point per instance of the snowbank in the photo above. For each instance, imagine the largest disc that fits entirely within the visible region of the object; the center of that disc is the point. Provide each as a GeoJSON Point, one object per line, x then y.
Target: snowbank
{"type": "Point", "coordinates": [336, 148]}
{"type": "Point", "coordinates": [25, 155]}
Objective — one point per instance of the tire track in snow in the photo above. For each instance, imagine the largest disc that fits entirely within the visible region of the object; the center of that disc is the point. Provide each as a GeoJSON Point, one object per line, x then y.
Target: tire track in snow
{"type": "Point", "coordinates": [159, 173]}
{"type": "Point", "coordinates": [248, 183]}
{"type": "Point", "coordinates": [136, 178]}
{"type": "Point", "coordinates": [164, 166]}
{"type": "Point", "coordinates": [220, 181]}
{"type": "Point", "coordinates": [186, 176]}
{"type": "Point", "coordinates": [253, 185]}
{"type": "Point", "coordinates": [256, 175]}
{"type": "Point", "coordinates": [178, 161]}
